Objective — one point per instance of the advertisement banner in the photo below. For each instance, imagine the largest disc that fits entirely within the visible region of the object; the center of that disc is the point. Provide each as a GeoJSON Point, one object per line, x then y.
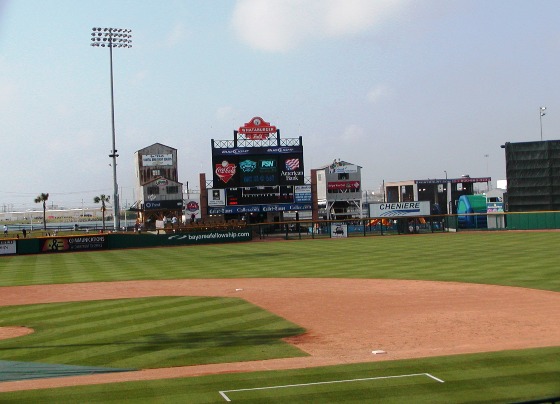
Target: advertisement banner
{"type": "Point", "coordinates": [226, 172]}
{"type": "Point", "coordinates": [337, 168]}
{"type": "Point", "coordinates": [339, 230]}
{"type": "Point", "coordinates": [341, 185]}
{"type": "Point", "coordinates": [216, 197]}
{"type": "Point", "coordinates": [302, 194]}
{"type": "Point", "coordinates": [285, 207]}
{"type": "Point", "coordinates": [257, 129]}
{"type": "Point", "coordinates": [152, 160]}
{"type": "Point", "coordinates": [207, 237]}
{"type": "Point", "coordinates": [78, 243]}
{"type": "Point", "coordinates": [175, 204]}
{"type": "Point", "coordinates": [242, 151]}
{"type": "Point", "coordinates": [291, 169]}
{"type": "Point", "coordinates": [7, 247]}
{"type": "Point", "coordinates": [400, 209]}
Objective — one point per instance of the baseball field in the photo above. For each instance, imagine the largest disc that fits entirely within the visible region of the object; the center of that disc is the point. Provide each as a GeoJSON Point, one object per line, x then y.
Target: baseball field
{"type": "Point", "coordinates": [437, 318]}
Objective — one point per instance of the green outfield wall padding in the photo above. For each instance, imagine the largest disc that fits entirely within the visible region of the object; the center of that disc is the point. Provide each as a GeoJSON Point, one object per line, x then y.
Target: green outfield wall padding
{"type": "Point", "coordinates": [533, 221]}
{"type": "Point", "coordinates": [117, 241]}
{"type": "Point", "coordinates": [12, 370]}
{"type": "Point", "coordinates": [28, 246]}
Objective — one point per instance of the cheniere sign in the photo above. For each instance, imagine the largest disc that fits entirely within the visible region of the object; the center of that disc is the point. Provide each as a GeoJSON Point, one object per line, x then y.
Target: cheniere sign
{"type": "Point", "coordinates": [399, 209]}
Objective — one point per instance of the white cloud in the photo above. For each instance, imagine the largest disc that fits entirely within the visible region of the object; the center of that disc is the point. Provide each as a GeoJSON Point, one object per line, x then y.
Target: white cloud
{"type": "Point", "coordinates": [225, 113]}
{"type": "Point", "coordinates": [8, 93]}
{"type": "Point", "coordinates": [378, 93]}
{"type": "Point", "coordinates": [353, 133]}
{"type": "Point", "coordinates": [176, 35]}
{"type": "Point", "coordinates": [281, 25]}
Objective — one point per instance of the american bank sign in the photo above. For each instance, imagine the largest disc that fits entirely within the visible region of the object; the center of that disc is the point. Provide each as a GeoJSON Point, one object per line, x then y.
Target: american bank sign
{"type": "Point", "coordinates": [399, 209]}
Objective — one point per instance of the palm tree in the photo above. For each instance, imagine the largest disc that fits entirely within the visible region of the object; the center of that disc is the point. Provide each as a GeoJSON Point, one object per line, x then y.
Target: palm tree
{"type": "Point", "coordinates": [43, 198]}
{"type": "Point", "coordinates": [103, 199]}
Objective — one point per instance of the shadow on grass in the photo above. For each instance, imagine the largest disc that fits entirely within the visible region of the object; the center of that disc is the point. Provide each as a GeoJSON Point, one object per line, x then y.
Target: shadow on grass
{"type": "Point", "coordinates": [188, 340]}
{"type": "Point", "coordinates": [234, 338]}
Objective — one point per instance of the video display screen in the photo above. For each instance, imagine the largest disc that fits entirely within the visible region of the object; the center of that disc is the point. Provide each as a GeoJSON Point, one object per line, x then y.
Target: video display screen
{"type": "Point", "coordinates": [258, 171]}
{"type": "Point", "coordinates": [259, 195]}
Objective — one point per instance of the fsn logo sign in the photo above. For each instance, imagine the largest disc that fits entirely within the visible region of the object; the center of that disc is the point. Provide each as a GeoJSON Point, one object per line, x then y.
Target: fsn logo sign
{"type": "Point", "coordinates": [268, 165]}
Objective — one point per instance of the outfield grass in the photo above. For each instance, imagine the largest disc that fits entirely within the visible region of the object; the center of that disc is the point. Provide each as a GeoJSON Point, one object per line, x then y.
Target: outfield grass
{"type": "Point", "coordinates": [528, 259]}
{"type": "Point", "coordinates": [504, 258]}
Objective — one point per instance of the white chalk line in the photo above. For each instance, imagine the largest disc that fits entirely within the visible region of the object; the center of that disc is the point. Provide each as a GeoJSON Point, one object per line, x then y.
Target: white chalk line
{"type": "Point", "coordinates": [225, 396]}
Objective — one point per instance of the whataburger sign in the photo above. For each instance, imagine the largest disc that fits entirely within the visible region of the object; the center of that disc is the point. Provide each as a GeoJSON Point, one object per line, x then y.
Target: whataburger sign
{"type": "Point", "coordinates": [257, 129]}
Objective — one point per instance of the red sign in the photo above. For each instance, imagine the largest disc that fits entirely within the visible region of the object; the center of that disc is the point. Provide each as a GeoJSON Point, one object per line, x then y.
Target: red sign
{"type": "Point", "coordinates": [192, 206]}
{"type": "Point", "coordinates": [353, 185]}
{"type": "Point", "coordinates": [257, 129]}
{"type": "Point", "coordinates": [225, 171]}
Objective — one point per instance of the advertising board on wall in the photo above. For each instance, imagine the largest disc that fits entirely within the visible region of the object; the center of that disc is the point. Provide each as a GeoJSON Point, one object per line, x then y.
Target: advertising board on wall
{"type": "Point", "coordinates": [78, 243]}
{"type": "Point", "coordinates": [339, 230]}
{"type": "Point", "coordinates": [151, 160]}
{"type": "Point", "coordinates": [400, 209]}
{"type": "Point", "coordinates": [284, 207]}
{"type": "Point", "coordinates": [216, 197]}
{"type": "Point", "coordinates": [302, 194]}
{"type": "Point", "coordinates": [174, 204]}
{"type": "Point", "coordinates": [7, 247]}
{"type": "Point", "coordinates": [338, 168]}
{"type": "Point", "coordinates": [341, 185]}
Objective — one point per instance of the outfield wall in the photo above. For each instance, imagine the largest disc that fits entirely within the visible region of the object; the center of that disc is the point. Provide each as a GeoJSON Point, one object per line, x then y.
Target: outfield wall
{"type": "Point", "coordinates": [92, 242]}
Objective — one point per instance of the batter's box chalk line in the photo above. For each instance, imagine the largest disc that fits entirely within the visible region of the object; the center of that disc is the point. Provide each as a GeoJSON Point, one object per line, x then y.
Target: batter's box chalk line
{"type": "Point", "coordinates": [224, 393]}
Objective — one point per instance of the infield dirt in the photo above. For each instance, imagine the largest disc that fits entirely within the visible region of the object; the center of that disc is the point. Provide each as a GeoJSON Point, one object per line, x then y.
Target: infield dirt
{"type": "Point", "coordinates": [345, 319]}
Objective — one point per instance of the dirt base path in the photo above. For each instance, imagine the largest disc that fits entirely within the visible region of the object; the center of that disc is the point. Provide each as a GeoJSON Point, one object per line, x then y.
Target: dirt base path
{"type": "Point", "coordinates": [346, 319]}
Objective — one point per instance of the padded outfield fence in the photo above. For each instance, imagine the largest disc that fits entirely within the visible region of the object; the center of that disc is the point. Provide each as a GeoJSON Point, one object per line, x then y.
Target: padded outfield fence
{"type": "Point", "coordinates": [75, 240]}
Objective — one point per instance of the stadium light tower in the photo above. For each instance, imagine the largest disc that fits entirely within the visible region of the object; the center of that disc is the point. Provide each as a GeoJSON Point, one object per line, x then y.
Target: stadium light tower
{"type": "Point", "coordinates": [541, 114]}
{"type": "Point", "coordinates": [112, 38]}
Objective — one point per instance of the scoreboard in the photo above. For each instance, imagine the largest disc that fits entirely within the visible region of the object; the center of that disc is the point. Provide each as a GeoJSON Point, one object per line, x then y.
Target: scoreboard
{"type": "Point", "coordinates": [260, 179]}
{"type": "Point", "coordinates": [259, 166]}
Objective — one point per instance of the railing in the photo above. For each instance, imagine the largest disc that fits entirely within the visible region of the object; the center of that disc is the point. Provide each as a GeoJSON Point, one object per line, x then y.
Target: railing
{"type": "Point", "coordinates": [270, 142]}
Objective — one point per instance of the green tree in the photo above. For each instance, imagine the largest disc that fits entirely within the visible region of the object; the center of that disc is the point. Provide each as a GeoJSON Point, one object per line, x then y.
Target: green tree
{"type": "Point", "coordinates": [103, 199]}
{"type": "Point", "coordinates": [43, 198]}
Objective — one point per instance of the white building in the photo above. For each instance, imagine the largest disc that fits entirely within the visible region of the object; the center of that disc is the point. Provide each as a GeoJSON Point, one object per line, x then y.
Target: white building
{"type": "Point", "coordinates": [339, 190]}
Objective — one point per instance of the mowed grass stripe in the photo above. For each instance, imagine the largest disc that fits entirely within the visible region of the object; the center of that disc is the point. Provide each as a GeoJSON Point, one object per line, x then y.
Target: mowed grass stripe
{"type": "Point", "coordinates": [185, 336]}
{"type": "Point", "coordinates": [489, 257]}
{"type": "Point", "coordinates": [149, 332]}
{"type": "Point", "coordinates": [486, 384]}
{"type": "Point", "coordinates": [202, 346]}
{"type": "Point", "coordinates": [129, 310]}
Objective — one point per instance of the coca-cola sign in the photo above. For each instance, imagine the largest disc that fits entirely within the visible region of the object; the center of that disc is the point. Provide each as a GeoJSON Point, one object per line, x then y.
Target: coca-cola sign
{"type": "Point", "coordinates": [225, 171]}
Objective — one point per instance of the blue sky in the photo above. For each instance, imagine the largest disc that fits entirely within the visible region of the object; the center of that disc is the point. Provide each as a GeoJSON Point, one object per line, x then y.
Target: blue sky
{"type": "Point", "coordinates": [405, 89]}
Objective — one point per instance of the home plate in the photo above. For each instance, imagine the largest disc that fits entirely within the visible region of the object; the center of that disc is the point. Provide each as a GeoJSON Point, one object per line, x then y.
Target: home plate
{"type": "Point", "coordinates": [378, 352]}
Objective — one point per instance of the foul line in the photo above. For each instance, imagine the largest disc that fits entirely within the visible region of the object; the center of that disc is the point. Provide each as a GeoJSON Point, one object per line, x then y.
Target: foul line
{"type": "Point", "coordinates": [225, 396]}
